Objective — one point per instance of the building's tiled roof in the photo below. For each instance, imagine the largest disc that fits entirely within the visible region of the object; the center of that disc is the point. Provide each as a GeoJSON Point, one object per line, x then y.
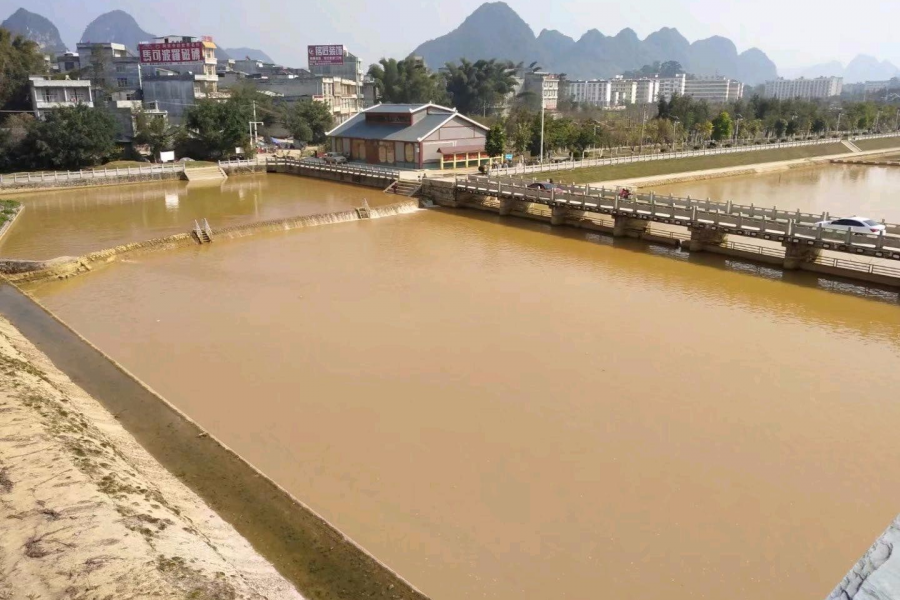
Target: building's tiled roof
{"type": "Point", "coordinates": [357, 127]}
{"type": "Point", "coordinates": [404, 108]}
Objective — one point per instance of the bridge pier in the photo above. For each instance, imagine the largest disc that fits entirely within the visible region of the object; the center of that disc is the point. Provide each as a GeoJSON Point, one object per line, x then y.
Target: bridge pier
{"type": "Point", "coordinates": [558, 215]}
{"type": "Point", "coordinates": [629, 227]}
{"type": "Point", "coordinates": [702, 237]}
{"type": "Point", "coordinates": [506, 206]}
{"type": "Point", "coordinates": [797, 254]}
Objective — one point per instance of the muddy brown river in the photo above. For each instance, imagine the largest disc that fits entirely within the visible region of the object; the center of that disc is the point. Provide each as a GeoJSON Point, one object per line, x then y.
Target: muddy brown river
{"type": "Point", "coordinates": [501, 410]}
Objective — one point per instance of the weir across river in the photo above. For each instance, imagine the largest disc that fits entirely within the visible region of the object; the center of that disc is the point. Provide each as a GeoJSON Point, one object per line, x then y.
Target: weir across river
{"type": "Point", "coordinates": [707, 221]}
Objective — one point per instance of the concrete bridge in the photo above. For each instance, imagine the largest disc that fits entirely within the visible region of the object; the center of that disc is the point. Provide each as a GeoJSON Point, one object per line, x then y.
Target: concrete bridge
{"type": "Point", "coordinates": [708, 222]}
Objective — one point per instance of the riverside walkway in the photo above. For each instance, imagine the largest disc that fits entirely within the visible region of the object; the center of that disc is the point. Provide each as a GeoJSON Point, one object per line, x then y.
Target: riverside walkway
{"type": "Point", "coordinates": [707, 221]}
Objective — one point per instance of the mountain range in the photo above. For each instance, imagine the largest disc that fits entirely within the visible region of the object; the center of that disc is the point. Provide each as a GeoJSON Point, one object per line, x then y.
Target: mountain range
{"type": "Point", "coordinates": [115, 26]}
{"type": "Point", "coordinates": [495, 30]}
{"type": "Point", "coordinates": [36, 28]}
{"type": "Point", "coordinates": [861, 68]}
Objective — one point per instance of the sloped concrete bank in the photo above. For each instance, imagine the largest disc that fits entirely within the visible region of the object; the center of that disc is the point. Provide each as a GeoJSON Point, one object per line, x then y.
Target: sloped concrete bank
{"type": "Point", "coordinates": [86, 512]}
{"type": "Point", "coordinates": [877, 574]}
{"type": "Point", "coordinates": [32, 271]}
{"type": "Point", "coordinates": [307, 550]}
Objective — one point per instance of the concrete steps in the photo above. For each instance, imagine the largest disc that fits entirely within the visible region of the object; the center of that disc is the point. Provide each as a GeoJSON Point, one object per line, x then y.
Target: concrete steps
{"type": "Point", "coordinates": [205, 174]}
{"type": "Point", "coordinates": [403, 187]}
{"type": "Point", "coordinates": [851, 146]}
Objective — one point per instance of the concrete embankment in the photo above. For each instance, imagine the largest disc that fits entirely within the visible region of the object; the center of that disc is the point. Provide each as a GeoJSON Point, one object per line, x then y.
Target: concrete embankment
{"type": "Point", "coordinates": [877, 574]}
{"type": "Point", "coordinates": [308, 551]}
{"type": "Point", "coordinates": [86, 511]}
{"type": "Point", "coordinates": [30, 271]}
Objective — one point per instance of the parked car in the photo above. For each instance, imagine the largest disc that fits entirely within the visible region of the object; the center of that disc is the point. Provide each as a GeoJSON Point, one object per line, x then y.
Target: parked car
{"type": "Point", "coordinates": [334, 158]}
{"type": "Point", "coordinates": [543, 185]}
{"type": "Point", "coordinates": [854, 224]}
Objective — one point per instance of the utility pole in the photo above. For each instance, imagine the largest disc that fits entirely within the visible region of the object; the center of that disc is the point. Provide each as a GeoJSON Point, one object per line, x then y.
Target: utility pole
{"type": "Point", "coordinates": [254, 128]}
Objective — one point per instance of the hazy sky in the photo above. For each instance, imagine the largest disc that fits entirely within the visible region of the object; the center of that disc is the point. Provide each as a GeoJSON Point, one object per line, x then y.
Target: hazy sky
{"type": "Point", "coordinates": [792, 32]}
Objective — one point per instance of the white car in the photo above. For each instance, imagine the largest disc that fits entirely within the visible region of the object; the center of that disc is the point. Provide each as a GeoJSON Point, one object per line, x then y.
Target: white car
{"type": "Point", "coordinates": [854, 224]}
{"type": "Point", "coordinates": [334, 158]}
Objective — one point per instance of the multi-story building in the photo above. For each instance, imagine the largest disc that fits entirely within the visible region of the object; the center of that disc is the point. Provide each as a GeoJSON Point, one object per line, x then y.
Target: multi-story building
{"type": "Point", "coordinates": [125, 112]}
{"type": "Point", "coordinates": [177, 71]}
{"type": "Point", "coordinates": [715, 90]}
{"type": "Point", "coordinates": [113, 70]}
{"type": "Point", "coordinates": [342, 96]}
{"type": "Point", "coordinates": [646, 90]}
{"type": "Point", "coordinates": [340, 63]}
{"type": "Point", "coordinates": [596, 92]}
{"type": "Point", "coordinates": [820, 87]}
{"type": "Point", "coordinates": [51, 94]}
{"type": "Point", "coordinates": [623, 91]}
{"type": "Point", "coordinates": [670, 86]}
{"type": "Point", "coordinates": [545, 86]}
{"type": "Point", "coordinates": [67, 61]}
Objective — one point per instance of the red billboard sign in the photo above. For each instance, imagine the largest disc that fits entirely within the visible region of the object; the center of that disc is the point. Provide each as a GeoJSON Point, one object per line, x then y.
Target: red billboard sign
{"type": "Point", "coordinates": [180, 52]}
{"type": "Point", "coordinates": [326, 55]}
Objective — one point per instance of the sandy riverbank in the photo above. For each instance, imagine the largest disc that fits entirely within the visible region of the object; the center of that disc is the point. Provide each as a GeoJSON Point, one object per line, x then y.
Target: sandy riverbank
{"type": "Point", "coordinates": [88, 513]}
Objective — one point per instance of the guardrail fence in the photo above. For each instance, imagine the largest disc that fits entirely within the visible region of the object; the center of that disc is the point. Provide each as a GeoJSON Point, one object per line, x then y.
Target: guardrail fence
{"type": "Point", "coordinates": [46, 177]}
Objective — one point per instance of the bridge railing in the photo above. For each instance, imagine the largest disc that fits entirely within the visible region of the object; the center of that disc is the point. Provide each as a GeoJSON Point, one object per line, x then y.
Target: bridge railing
{"type": "Point", "coordinates": [52, 177]}
{"type": "Point", "coordinates": [566, 192]}
{"type": "Point", "coordinates": [752, 219]}
{"type": "Point", "coordinates": [352, 169]}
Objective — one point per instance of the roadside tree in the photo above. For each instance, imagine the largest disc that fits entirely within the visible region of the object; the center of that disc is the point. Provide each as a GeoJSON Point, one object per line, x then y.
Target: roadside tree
{"type": "Point", "coordinates": [495, 144]}
{"type": "Point", "coordinates": [155, 132]}
{"type": "Point", "coordinates": [407, 81]}
{"type": "Point", "coordinates": [722, 127]}
{"type": "Point", "coordinates": [70, 138]}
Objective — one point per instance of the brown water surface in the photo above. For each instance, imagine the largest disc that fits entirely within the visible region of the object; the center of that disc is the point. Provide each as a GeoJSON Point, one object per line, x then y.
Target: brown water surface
{"type": "Point", "coordinates": [501, 410]}
{"type": "Point", "coordinates": [842, 190]}
{"type": "Point", "coordinates": [75, 222]}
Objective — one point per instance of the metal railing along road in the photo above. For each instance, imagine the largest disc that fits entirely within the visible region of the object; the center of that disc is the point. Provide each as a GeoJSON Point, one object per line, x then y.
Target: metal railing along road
{"type": "Point", "coordinates": [618, 160]}
{"type": "Point", "coordinates": [242, 162]}
{"type": "Point", "coordinates": [348, 168]}
{"type": "Point", "coordinates": [47, 177]}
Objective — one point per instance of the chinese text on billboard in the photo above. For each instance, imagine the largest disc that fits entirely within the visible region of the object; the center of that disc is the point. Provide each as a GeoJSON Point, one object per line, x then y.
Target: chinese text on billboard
{"type": "Point", "coordinates": [326, 55]}
{"type": "Point", "coordinates": [183, 52]}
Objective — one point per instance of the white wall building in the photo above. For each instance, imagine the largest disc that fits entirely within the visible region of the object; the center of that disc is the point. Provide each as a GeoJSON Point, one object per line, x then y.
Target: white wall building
{"type": "Point", "coordinates": [820, 87]}
{"type": "Point", "coordinates": [646, 90]}
{"type": "Point", "coordinates": [623, 91]}
{"type": "Point", "coordinates": [715, 90]}
{"type": "Point", "coordinates": [50, 94]}
{"type": "Point", "coordinates": [669, 86]}
{"type": "Point", "coordinates": [544, 85]}
{"type": "Point", "coordinates": [596, 92]}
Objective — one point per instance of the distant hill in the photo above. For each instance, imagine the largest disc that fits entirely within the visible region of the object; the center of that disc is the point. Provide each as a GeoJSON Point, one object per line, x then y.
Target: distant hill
{"type": "Point", "coordinates": [251, 53]}
{"type": "Point", "coordinates": [118, 27]}
{"type": "Point", "coordinates": [37, 29]}
{"type": "Point", "coordinates": [862, 68]}
{"type": "Point", "coordinates": [494, 30]}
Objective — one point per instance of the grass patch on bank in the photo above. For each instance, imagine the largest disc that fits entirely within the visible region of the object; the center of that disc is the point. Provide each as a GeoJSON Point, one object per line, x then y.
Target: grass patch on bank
{"type": "Point", "coordinates": [8, 210]}
{"type": "Point", "coordinates": [878, 143]}
{"type": "Point", "coordinates": [694, 163]}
